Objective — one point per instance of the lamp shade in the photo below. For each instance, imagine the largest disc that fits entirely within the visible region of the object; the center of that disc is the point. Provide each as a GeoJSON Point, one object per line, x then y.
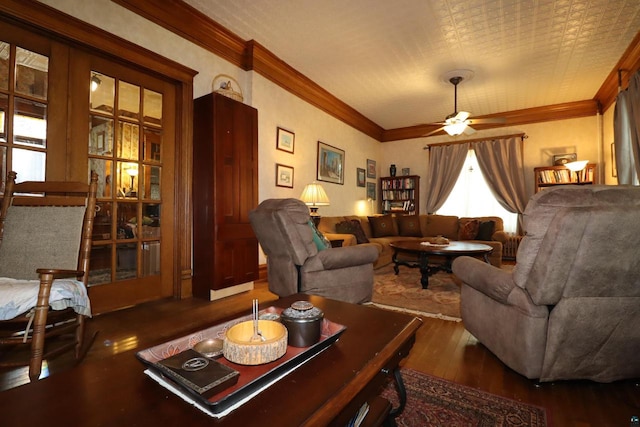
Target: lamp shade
{"type": "Point", "coordinates": [576, 166]}
{"type": "Point", "coordinates": [314, 195]}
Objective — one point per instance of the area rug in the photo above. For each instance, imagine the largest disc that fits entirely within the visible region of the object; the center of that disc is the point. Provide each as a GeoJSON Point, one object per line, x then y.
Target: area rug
{"type": "Point", "coordinates": [403, 292]}
{"type": "Point", "coordinates": [434, 402]}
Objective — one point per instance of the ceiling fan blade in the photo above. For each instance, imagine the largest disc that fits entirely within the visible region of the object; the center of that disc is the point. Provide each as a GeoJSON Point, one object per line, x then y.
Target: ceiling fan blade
{"type": "Point", "coordinates": [462, 116]}
{"type": "Point", "coordinates": [433, 131]}
{"type": "Point", "coordinates": [469, 130]}
{"type": "Point", "coordinates": [488, 120]}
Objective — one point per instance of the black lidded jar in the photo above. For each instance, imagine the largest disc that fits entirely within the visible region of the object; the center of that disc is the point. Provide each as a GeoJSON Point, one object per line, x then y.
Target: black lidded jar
{"type": "Point", "coordinates": [303, 322]}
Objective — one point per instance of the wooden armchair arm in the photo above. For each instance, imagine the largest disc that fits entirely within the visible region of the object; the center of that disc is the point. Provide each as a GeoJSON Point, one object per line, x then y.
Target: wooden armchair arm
{"type": "Point", "coordinates": [59, 273]}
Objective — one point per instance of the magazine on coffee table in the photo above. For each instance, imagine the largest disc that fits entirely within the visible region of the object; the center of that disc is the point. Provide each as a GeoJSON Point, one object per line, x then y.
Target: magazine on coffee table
{"type": "Point", "coordinates": [251, 379]}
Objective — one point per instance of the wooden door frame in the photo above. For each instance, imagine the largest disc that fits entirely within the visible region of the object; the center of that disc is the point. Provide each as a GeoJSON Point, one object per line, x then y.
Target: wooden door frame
{"type": "Point", "coordinates": [54, 24]}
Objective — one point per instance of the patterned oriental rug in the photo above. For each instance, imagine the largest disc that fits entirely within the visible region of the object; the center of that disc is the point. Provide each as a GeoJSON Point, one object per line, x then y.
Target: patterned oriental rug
{"type": "Point", "coordinates": [404, 293]}
{"type": "Point", "coordinates": [434, 402]}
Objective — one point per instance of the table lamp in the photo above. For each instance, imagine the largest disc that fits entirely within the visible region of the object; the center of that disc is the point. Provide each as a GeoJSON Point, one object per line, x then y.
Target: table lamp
{"type": "Point", "coordinates": [132, 172]}
{"type": "Point", "coordinates": [314, 196]}
{"type": "Point", "coordinates": [576, 167]}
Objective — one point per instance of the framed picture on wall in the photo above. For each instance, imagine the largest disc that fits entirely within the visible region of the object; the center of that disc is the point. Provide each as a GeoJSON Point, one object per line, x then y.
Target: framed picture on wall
{"type": "Point", "coordinates": [330, 163]}
{"type": "Point", "coordinates": [284, 176]}
{"type": "Point", "coordinates": [371, 168]}
{"type": "Point", "coordinates": [562, 159]}
{"type": "Point", "coordinates": [285, 140]}
{"type": "Point", "coordinates": [371, 190]}
{"type": "Point", "coordinates": [360, 177]}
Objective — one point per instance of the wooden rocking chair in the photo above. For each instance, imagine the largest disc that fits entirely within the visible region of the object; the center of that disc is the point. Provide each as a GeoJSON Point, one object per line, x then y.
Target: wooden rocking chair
{"type": "Point", "coordinates": [45, 234]}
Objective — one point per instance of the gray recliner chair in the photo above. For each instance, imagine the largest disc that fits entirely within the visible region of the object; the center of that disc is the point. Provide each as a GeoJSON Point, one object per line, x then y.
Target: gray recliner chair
{"type": "Point", "coordinates": [295, 264]}
{"type": "Point", "coordinates": [571, 307]}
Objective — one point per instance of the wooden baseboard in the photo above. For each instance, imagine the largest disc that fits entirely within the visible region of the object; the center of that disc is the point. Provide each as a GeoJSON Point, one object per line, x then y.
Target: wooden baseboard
{"type": "Point", "coordinates": [232, 290]}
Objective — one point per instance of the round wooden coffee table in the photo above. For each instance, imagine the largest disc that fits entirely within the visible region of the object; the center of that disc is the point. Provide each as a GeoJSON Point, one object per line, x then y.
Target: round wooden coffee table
{"type": "Point", "coordinates": [415, 248]}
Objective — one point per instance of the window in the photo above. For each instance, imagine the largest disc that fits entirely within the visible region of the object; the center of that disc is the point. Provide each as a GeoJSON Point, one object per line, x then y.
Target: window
{"type": "Point", "coordinates": [24, 82]}
{"type": "Point", "coordinates": [471, 197]}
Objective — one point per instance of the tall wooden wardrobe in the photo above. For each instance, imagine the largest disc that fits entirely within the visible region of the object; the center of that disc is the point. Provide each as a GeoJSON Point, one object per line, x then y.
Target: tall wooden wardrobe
{"type": "Point", "coordinates": [225, 189]}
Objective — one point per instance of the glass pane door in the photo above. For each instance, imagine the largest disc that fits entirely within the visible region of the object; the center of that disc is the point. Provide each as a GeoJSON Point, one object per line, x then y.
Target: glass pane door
{"type": "Point", "coordinates": [125, 149]}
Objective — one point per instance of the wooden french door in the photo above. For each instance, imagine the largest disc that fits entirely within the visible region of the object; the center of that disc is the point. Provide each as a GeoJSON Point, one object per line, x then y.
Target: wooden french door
{"type": "Point", "coordinates": [123, 128]}
{"type": "Point", "coordinates": [73, 110]}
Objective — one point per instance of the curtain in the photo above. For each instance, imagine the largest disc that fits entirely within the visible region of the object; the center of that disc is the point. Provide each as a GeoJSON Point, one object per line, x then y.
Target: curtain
{"type": "Point", "coordinates": [626, 131]}
{"type": "Point", "coordinates": [472, 197]}
{"type": "Point", "coordinates": [501, 163]}
{"type": "Point", "coordinates": [445, 164]}
{"type": "Point", "coordinates": [634, 103]}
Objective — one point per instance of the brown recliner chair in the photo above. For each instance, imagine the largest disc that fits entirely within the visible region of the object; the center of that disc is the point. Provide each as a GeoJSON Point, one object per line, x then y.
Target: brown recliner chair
{"type": "Point", "coordinates": [571, 307]}
{"type": "Point", "coordinates": [295, 264]}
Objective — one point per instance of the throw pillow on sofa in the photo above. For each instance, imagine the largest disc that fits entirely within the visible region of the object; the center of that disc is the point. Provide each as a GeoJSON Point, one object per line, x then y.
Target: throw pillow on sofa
{"type": "Point", "coordinates": [409, 225]}
{"type": "Point", "coordinates": [486, 230]}
{"type": "Point", "coordinates": [352, 227]}
{"type": "Point", "coordinates": [468, 229]}
{"type": "Point", "coordinates": [382, 226]}
{"type": "Point", "coordinates": [321, 242]}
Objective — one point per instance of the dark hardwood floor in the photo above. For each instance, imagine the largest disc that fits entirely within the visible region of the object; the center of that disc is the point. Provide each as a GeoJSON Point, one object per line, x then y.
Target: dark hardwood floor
{"type": "Point", "coordinates": [443, 349]}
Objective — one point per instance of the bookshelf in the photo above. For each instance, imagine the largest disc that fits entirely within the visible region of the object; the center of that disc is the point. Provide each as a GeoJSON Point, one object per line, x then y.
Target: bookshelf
{"type": "Point", "coordinates": [549, 176]}
{"type": "Point", "coordinates": [400, 194]}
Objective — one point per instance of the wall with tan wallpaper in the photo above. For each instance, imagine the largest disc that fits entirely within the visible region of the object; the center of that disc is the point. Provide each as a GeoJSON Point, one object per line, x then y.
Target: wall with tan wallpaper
{"type": "Point", "coordinates": [589, 137]}
{"type": "Point", "coordinates": [544, 140]}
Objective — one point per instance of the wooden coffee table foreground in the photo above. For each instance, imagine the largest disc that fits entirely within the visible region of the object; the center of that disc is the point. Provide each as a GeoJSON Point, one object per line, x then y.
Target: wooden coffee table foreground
{"type": "Point", "coordinates": [422, 252]}
{"type": "Point", "coordinates": [327, 390]}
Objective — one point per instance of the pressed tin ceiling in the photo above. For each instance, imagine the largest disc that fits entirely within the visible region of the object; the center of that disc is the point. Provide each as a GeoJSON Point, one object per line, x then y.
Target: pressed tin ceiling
{"type": "Point", "coordinates": [386, 59]}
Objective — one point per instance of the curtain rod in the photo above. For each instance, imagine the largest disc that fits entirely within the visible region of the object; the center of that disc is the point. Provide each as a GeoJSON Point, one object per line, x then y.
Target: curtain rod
{"type": "Point", "coordinates": [490, 138]}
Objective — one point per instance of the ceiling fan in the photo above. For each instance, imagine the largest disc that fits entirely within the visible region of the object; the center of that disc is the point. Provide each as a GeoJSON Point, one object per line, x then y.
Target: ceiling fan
{"type": "Point", "coordinates": [459, 122]}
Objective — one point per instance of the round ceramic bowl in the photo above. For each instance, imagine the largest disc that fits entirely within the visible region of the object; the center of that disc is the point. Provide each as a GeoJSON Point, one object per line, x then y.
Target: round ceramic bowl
{"type": "Point", "coordinates": [238, 346]}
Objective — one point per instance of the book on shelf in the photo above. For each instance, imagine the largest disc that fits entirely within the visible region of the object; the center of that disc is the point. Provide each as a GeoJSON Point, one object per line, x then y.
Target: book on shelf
{"type": "Point", "coordinates": [397, 194]}
{"type": "Point", "coordinates": [357, 419]}
{"type": "Point", "coordinates": [398, 183]}
{"type": "Point", "coordinates": [399, 206]}
{"type": "Point", "coordinates": [560, 175]}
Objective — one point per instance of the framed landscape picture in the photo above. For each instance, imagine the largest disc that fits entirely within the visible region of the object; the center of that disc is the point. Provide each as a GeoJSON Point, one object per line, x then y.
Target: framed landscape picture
{"type": "Point", "coordinates": [371, 190]}
{"type": "Point", "coordinates": [360, 177]}
{"type": "Point", "coordinates": [284, 176]}
{"type": "Point", "coordinates": [330, 163]}
{"type": "Point", "coordinates": [285, 140]}
{"type": "Point", "coordinates": [371, 168]}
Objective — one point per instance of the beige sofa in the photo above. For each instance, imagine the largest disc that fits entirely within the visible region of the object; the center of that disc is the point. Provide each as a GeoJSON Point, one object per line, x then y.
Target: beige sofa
{"type": "Point", "coordinates": [429, 226]}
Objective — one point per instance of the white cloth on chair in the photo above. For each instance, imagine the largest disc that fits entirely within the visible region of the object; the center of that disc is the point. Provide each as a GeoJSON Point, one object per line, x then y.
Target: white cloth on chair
{"type": "Point", "coordinates": [20, 296]}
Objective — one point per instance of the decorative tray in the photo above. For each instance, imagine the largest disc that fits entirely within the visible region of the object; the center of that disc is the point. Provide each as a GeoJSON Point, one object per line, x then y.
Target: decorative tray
{"type": "Point", "coordinates": [252, 379]}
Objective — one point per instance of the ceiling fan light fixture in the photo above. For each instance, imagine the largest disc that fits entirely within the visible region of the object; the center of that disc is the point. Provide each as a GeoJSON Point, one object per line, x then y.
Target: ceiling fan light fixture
{"type": "Point", "coordinates": [459, 122]}
{"type": "Point", "coordinates": [455, 129]}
